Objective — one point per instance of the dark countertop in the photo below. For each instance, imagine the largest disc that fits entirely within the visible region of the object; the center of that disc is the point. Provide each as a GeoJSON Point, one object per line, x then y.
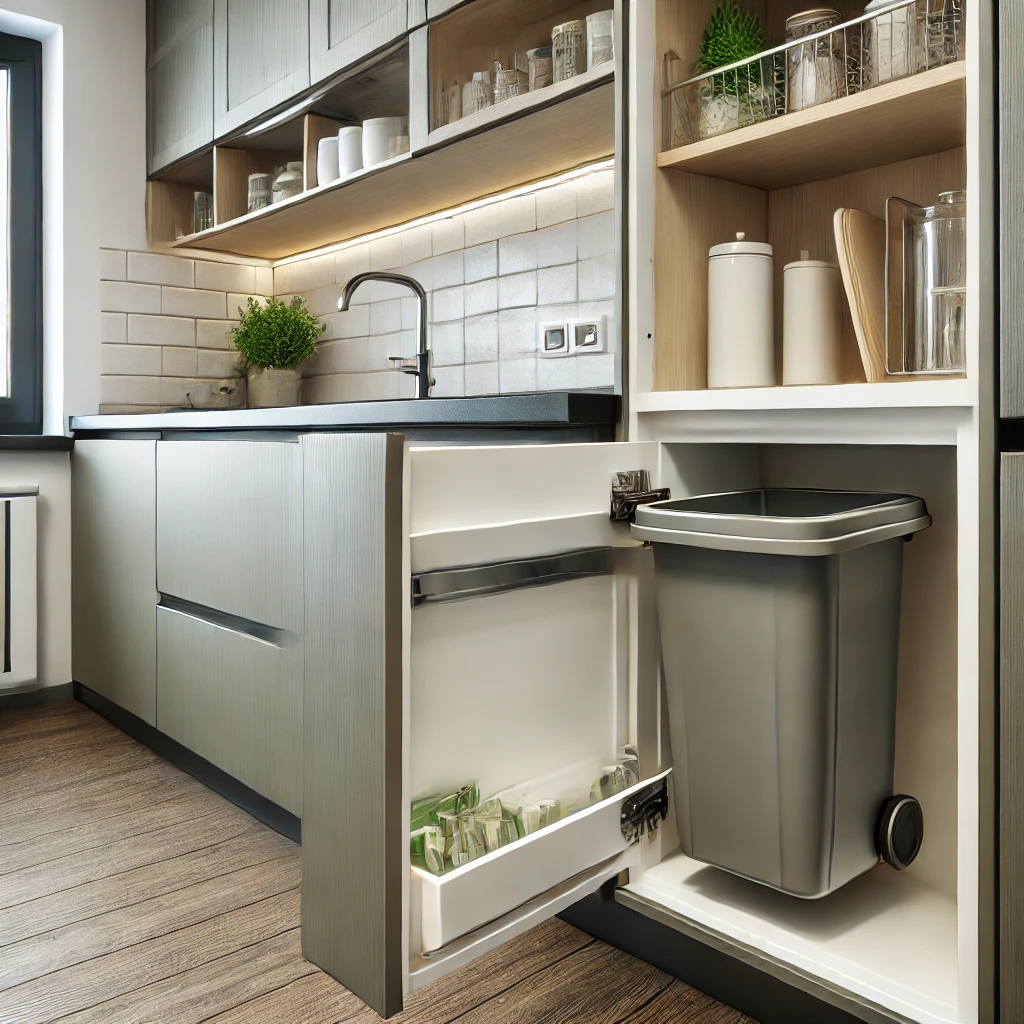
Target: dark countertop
{"type": "Point", "coordinates": [36, 443]}
{"type": "Point", "coordinates": [543, 409]}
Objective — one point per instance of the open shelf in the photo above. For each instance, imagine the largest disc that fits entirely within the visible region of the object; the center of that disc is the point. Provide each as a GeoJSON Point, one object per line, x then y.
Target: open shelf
{"type": "Point", "coordinates": [514, 149]}
{"type": "Point", "coordinates": [925, 113]}
{"type": "Point", "coordinates": [886, 938]}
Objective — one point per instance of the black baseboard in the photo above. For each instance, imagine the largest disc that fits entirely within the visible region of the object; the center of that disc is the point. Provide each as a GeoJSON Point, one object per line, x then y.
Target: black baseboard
{"type": "Point", "coordinates": [35, 698]}
{"type": "Point", "coordinates": [727, 979]}
{"type": "Point", "coordinates": [198, 767]}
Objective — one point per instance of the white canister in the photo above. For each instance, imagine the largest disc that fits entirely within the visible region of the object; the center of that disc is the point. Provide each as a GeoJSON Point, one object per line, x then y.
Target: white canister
{"type": "Point", "coordinates": [600, 38]}
{"type": "Point", "coordinates": [350, 150]}
{"type": "Point", "coordinates": [376, 133]}
{"type": "Point", "coordinates": [812, 323]}
{"type": "Point", "coordinates": [741, 315]}
{"type": "Point", "coordinates": [327, 160]}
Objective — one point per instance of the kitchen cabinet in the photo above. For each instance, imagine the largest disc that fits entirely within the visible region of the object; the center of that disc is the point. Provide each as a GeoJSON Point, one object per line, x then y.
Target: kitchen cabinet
{"type": "Point", "coordinates": [261, 58]}
{"type": "Point", "coordinates": [342, 32]}
{"type": "Point", "coordinates": [234, 698]}
{"type": "Point", "coordinates": [179, 79]}
{"type": "Point", "coordinates": [113, 572]}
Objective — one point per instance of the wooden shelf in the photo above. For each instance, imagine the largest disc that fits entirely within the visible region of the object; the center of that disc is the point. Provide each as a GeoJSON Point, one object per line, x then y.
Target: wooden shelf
{"type": "Point", "coordinates": [912, 117]}
{"type": "Point", "coordinates": [558, 131]}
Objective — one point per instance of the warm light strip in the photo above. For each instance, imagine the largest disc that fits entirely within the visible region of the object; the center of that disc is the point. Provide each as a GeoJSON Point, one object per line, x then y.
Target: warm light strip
{"type": "Point", "coordinates": [454, 211]}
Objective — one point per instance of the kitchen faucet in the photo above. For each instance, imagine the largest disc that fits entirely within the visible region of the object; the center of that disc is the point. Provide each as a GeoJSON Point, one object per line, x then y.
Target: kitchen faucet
{"type": "Point", "coordinates": [419, 366]}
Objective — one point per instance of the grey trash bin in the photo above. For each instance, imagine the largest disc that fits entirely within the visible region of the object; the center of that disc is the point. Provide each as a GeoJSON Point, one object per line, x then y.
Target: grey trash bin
{"type": "Point", "coordinates": [779, 612]}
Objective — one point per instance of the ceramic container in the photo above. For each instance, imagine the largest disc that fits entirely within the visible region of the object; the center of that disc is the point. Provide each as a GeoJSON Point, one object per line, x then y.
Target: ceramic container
{"type": "Point", "coordinates": [568, 50]}
{"type": "Point", "coordinates": [741, 315]}
{"type": "Point", "coordinates": [539, 64]}
{"type": "Point", "coordinates": [377, 132]}
{"type": "Point", "coordinates": [350, 150]}
{"type": "Point", "coordinates": [289, 182]}
{"type": "Point", "coordinates": [812, 323]}
{"type": "Point", "coordinates": [327, 161]}
{"type": "Point", "coordinates": [890, 42]}
{"type": "Point", "coordinates": [600, 47]}
{"type": "Point", "coordinates": [270, 389]}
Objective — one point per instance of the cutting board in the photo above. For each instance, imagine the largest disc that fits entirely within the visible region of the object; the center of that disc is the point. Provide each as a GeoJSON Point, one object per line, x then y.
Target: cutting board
{"type": "Point", "coordinates": [860, 243]}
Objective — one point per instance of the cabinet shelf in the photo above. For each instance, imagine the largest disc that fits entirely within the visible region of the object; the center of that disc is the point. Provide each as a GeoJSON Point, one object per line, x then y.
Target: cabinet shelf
{"type": "Point", "coordinates": [518, 143]}
{"type": "Point", "coordinates": [912, 117]}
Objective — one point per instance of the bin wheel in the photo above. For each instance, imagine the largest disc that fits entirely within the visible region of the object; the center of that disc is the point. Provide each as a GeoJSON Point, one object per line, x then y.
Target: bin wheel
{"type": "Point", "coordinates": [900, 831]}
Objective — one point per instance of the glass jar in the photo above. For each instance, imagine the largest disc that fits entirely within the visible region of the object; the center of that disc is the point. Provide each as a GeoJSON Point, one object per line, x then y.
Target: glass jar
{"type": "Point", "coordinates": [260, 191]}
{"type": "Point", "coordinates": [940, 32]}
{"type": "Point", "coordinates": [816, 68]}
{"type": "Point", "coordinates": [568, 49]}
{"type": "Point", "coordinates": [890, 42]}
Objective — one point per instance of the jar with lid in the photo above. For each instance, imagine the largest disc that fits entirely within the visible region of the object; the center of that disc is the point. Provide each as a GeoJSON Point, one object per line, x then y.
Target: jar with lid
{"type": "Point", "coordinates": [741, 315]}
{"type": "Point", "coordinates": [815, 64]}
{"type": "Point", "coordinates": [812, 322]}
{"type": "Point", "coordinates": [890, 42]}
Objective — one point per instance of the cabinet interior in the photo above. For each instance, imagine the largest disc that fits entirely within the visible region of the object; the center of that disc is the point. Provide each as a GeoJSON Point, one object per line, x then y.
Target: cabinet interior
{"type": "Point", "coordinates": [693, 212]}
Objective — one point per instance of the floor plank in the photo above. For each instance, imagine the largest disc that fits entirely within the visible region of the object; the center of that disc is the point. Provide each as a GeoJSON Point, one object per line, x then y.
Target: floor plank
{"type": "Point", "coordinates": [681, 1004]}
{"type": "Point", "coordinates": [84, 985]}
{"type": "Point", "coordinates": [242, 845]}
{"type": "Point", "coordinates": [314, 999]}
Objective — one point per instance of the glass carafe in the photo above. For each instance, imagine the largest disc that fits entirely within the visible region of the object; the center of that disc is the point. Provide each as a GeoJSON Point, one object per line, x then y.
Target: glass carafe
{"type": "Point", "coordinates": [926, 284]}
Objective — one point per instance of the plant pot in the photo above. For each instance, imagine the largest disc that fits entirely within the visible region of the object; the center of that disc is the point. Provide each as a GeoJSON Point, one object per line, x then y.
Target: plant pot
{"type": "Point", "coordinates": [269, 389]}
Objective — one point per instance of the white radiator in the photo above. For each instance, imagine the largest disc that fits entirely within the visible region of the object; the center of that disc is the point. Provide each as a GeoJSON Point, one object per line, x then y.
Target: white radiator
{"type": "Point", "coordinates": [18, 560]}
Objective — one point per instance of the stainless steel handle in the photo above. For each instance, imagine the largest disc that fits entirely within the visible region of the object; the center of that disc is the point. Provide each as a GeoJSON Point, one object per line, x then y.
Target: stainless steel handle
{"type": "Point", "coordinates": [404, 365]}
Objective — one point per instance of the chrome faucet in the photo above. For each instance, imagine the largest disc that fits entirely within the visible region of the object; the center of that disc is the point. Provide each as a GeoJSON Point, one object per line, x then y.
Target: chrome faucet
{"type": "Point", "coordinates": [419, 365]}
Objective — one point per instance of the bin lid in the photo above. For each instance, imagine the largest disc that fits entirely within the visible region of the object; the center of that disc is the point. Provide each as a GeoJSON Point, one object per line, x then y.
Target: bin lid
{"type": "Point", "coordinates": [782, 520]}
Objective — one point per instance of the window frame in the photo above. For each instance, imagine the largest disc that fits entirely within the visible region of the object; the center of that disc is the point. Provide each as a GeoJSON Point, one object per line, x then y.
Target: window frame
{"type": "Point", "coordinates": [22, 412]}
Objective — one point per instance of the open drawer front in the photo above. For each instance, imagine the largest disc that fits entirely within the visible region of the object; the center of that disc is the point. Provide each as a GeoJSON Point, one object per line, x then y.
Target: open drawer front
{"type": "Point", "coordinates": [432, 666]}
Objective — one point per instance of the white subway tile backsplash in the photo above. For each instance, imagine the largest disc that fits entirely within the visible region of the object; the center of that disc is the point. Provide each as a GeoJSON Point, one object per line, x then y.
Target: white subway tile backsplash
{"type": "Point", "coordinates": [380, 349]}
{"type": "Point", "coordinates": [351, 261]}
{"type": "Point", "coordinates": [238, 303]}
{"type": "Point", "coordinates": [557, 204]}
{"type": "Point", "coordinates": [323, 301]}
{"type": "Point", "coordinates": [218, 364]}
{"type": "Point", "coordinates": [595, 235]}
{"type": "Point", "coordinates": [446, 270]}
{"type": "Point", "coordinates": [517, 332]}
{"type": "Point", "coordinates": [301, 275]}
{"type": "Point", "coordinates": [481, 378]}
{"type": "Point", "coordinates": [264, 282]}
{"type": "Point", "coordinates": [556, 284]}
{"type": "Point", "coordinates": [224, 277]}
{"type": "Point", "coordinates": [597, 370]}
{"type": "Point", "coordinates": [556, 245]}
{"type": "Point", "coordinates": [138, 360]}
{"type": "Point", "coordinates": [386, 253]}
{"type": "Point", "coordinates": [517, 253]}
{"type": "Point", "coordinates": [517, 375]}
{"type": "Point", "coordinates": [410, 313]}
{"type": "Point", "coordinates": [323, 270]}
{"type": "Point", "coordinates": [354, 323]}
{"type": "Point", "coordinates": [449, 382]}
{"type": "Point", "coordinates": [448, 235]}
{"type": "Point", "coordinates": [386, 317]}
{"type": "Point", "coordinates": [497, 220]}
{"type": "Point", "coordinates": [447, 304]}
{"type": "Point", "coordinates": [517, 290]}
{"type": "Point", "coordinates": [112, 264]}
{"type": "Point", "coordinates": [179, 362]}
{"type": "Point", "coordinates": [193, 302]}
{"type": "Point", "coordinates": [481, 262]}
{"type": "Point", "coordinates": [482, 297]}
{"type": "Point", "coordinates": [595, 193]}
{"type": "Point", "coordinates": [130, 390]}
{"type": "Point", "coordinates": [447, 344]}
{"type": "Point", "coordinates": [113, 328]}
{"type": "Point", "coordinates": [417, 244]}
{"type": "Point", "coordinates": [122, 297]}
{"type": "Point", "coordinates": [215, 333]}
{"type": "Point", "coordinates": [481, 338]}
{"type": "Point", "coordinates": [597, 278]}
{"type": "Point", "coordinates": [155, 268]}
{"type": "Point", "coordinates": [161, 330]}
{"type": "Point", "coordinates": [282, 279]}
{"type": "Point", "coordinates": [558, 374]}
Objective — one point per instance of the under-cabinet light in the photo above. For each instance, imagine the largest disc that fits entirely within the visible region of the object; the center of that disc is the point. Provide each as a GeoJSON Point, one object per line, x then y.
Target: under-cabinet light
{"type": "Point", "coordinates": [453, 211]}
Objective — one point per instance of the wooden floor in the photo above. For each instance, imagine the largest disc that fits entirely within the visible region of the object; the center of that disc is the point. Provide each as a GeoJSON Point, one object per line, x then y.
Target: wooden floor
{"type": "Point", "coordinates": [131, 894]}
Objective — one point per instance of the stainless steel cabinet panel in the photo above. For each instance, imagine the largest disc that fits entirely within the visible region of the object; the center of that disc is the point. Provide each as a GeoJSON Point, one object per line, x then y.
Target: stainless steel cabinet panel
{"type": "Point", "coordinates": [235, 700]}
{"type": "Point", "coordinates": [113, 572]}
{"type": "Point", "coordinates": [1011, 209]}
{"type": "Point", "coordinates": [343, 31]}
{"type": "Point", "coordinates": [229, 527]}
{"type": "Point", "coordinates": [261, 58]}
{"type": "Point", "coordinates": [179, 79]}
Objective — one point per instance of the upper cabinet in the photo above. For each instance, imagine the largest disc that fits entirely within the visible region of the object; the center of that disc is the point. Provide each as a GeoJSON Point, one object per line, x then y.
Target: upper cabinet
{"type": "Point", "coordinates": [179, 79]}
{"type": "Point", "coordinates": [342, 31]}
{"type": "Point", "coordinates": [261, 58]}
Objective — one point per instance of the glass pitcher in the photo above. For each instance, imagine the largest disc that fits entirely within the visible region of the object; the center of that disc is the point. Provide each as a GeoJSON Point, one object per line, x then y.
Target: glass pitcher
{"type": "Point", "coordinates": [926, 284]}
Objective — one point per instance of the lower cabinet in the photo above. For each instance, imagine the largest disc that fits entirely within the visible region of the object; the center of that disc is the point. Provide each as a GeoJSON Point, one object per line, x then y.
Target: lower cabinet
{"type": "Point", "coordinates": [234, 699]}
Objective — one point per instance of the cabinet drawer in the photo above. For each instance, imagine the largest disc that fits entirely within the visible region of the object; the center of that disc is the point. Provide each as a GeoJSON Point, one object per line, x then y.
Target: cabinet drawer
{"type": "Point", "coordinates": [235, 700]}
{"type": "Point", "coordinates": [229, 527]}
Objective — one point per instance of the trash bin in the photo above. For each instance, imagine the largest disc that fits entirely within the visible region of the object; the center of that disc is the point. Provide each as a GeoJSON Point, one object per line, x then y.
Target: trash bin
{"type": "Point", "coordinates": [779, 612]}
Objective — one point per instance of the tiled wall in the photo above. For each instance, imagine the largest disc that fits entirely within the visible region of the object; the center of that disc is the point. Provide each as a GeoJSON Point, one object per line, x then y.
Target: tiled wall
{"type": "Point", "coordinates": [492, 274]}
{"type": "Point", "coordinates": [165, 326]}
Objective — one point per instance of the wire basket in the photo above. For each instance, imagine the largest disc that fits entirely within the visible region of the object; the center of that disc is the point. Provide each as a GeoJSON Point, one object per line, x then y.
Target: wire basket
{"type": "Point", "coordinates": [900, 39]}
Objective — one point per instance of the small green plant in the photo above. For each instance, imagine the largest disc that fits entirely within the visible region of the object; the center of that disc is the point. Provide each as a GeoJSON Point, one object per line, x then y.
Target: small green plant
{"type": "Point", "coordinates": [732, 35]}
{"type": "Point", "coordinates": [276, 336]}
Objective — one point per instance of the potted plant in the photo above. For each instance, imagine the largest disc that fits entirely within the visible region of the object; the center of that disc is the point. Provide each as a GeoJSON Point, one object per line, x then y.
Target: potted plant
{"type": "Point", "coordinates": [274, 340]}
{"type": "Point", "coordinates": [730, 99]}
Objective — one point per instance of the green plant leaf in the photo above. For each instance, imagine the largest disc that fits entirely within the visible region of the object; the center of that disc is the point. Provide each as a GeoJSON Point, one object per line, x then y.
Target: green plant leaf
{"type": "Point", "coordinates": [276, 336]}
{"type": "Point", "coordinates": [733, 34]}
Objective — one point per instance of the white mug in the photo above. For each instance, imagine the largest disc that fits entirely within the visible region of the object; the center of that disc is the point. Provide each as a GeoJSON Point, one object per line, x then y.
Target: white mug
{"type": "Point", "coordinates": [327, 160]}
{"type": "Point", "coordinates": [376, 133]}
{"type": "Point", "coordinates": [350, 150]}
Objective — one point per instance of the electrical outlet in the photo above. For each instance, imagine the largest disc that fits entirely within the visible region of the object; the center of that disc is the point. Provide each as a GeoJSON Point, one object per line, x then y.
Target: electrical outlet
{"type": "Point", "coordinates": [587, 335]}
{"type": "Point", "coordinates": [553, 339]}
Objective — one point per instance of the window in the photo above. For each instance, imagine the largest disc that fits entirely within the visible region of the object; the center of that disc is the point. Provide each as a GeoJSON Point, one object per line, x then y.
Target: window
{"type": "Point", "coordinates": [21, 226]}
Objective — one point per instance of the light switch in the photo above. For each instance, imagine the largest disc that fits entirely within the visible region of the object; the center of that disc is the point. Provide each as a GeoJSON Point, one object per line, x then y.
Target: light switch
{"type": "Point", "coordinates": [553, 339]}
{"type": "Point", "coordinates": [587, 335]}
